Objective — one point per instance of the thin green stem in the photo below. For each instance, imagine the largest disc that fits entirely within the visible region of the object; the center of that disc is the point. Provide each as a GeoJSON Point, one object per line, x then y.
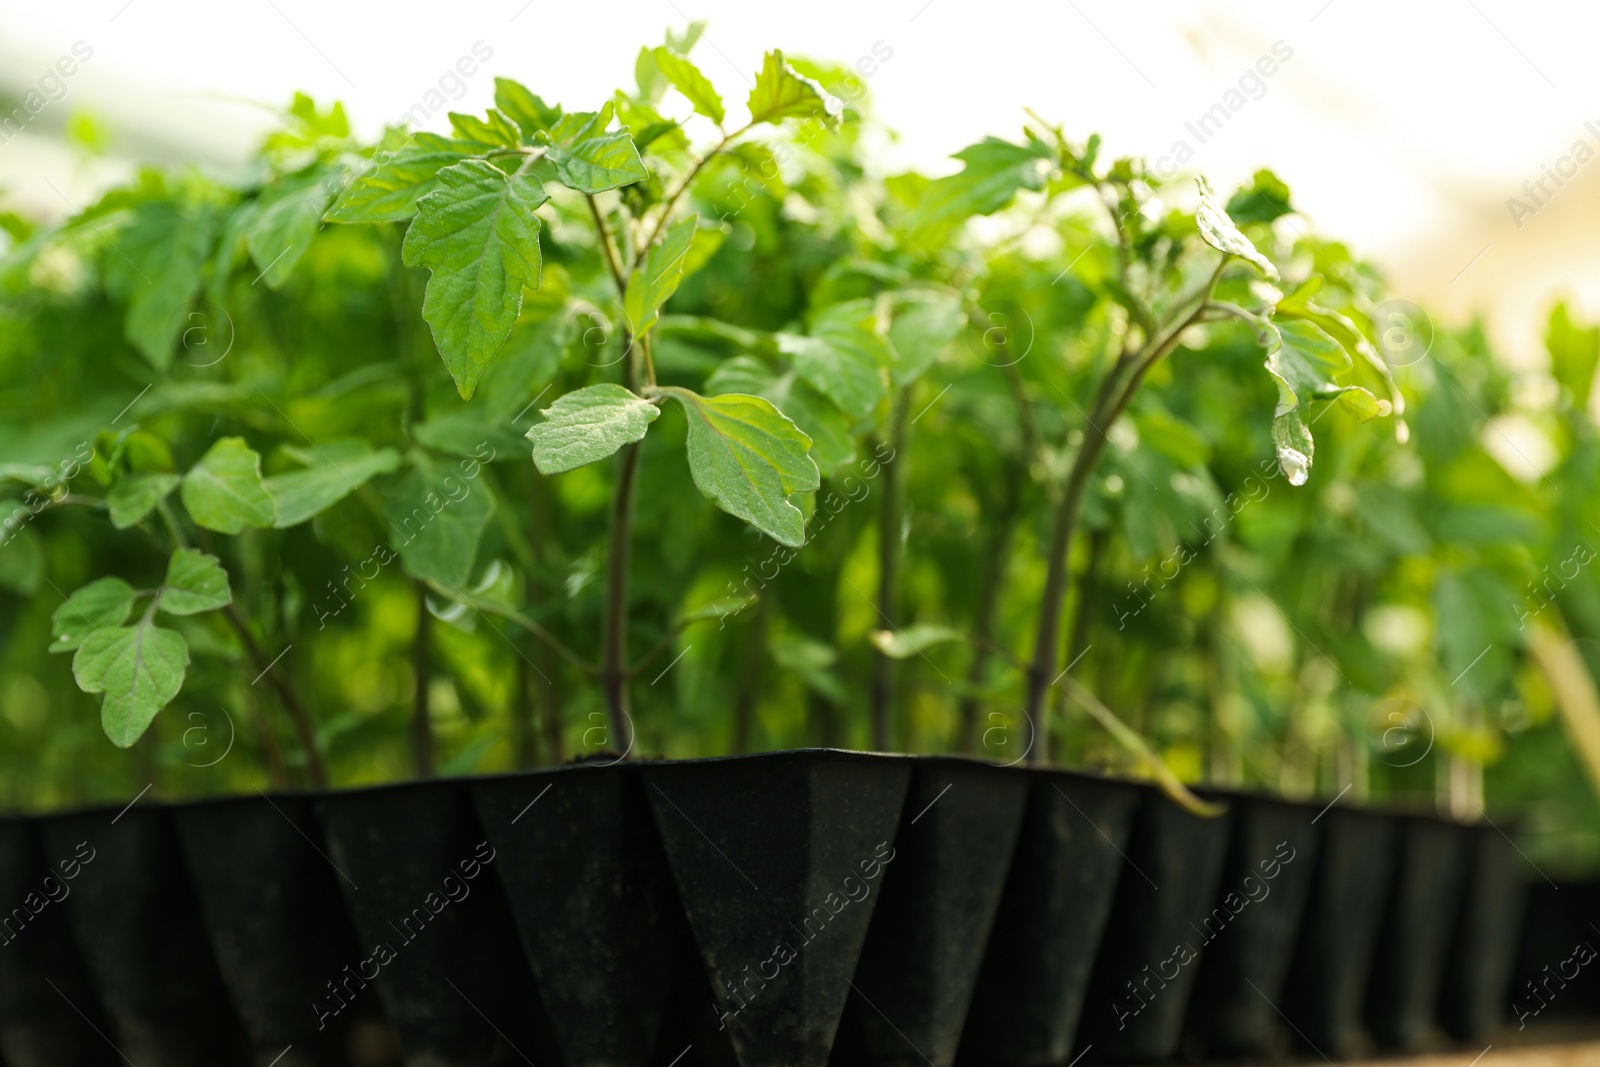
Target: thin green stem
{"type": "Point", "coordinates": [1113, 401]}
{"type": "Point", "coordinates": [688, 180]}
{"type": "Point", "coordinates": [421, 712]}
{"type": "Point", "coordinates": [607, 249]}
{"type": "Point", "coordinates": [889, 551]}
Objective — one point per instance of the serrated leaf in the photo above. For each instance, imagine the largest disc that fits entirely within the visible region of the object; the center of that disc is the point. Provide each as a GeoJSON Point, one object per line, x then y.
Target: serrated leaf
{"type": "Point", "coordinates": [195, 582]}
{"type": "Point", "coordinates": [781, 93]}
{"type": "Point", "coordinates": [495, 131]}
{"type": "Point", "coordinates": [285, 221]}
{"type": "Point", "coordinates": [135, 495]}
{"type": "Point", "coordinates": [575, 126]}
{"type": "Point", "coordinates": [588, 425]}
{"type": "Point", "coordinates": [596, 164]}
{"type": "Point", "coordinates": [1298, 304]}
{"type": "Point", "coordinates": [842, 374]}
{"type": "Point", "coordinates": [525, 108]}
{"type": "Point", "coordinates": [389, 191]}
{"type": "Point", "coordinates": [223, 492]}
{"type": "Point", "coordinates": [913, 640]}
{"type": "Point", "coordinates": [832, 445]}
{"type": "Point", "coordinates": [654, 281]}
{"type": "Point", "coordinates": [850, 366]}
{"type": "Point", "coordinates": [994, 172]}
{"type": "Point", "coordinates": [336, 469]}
{"type": "Point", "coordinates": [747, 457]}
{"type": "Point", "coordinates": [1219, 231]}
{"type": "Point", "coordinates": [695, 86]}
{"type": "Point", "coordinates": [1302, 360]}
{"type": "Point", "coordinates": [139, 668]}
{"type": "Point", "coordinates": [155, 264]}
{"type": "Point", "coordinates": [923, 324]}
{"type": "Point", "coordinates": [101, 605]}
{"type": "Point", "coordinates": [479, 237]}
{"type": "Point", "coordinates": [436, 516]}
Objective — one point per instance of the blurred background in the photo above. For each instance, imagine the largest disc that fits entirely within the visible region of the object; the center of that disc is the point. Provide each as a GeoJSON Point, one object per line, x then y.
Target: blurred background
{"type": "Point", "coordinates": [1409, 130]}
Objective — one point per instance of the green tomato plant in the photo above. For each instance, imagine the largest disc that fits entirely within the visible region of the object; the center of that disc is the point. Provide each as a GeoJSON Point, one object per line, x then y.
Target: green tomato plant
{"type": "Point", "coordinates": [992, 440]}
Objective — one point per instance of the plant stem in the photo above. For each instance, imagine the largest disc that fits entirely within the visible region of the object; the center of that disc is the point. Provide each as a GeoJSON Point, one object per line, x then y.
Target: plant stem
{"type": "Point", "coordinates": [1113, 400]}
{"type": "Point", "coordinates": [548, 704]}
{"type": "Point", "coordinates": [825, 714]}
{"type": "Point", "coordinates": [524, 736]}
{"type": "Point", "coordinates": [286, 693]}
{"type": "Point", "coordinates": [421, 727]}
{"type": "Point", "coordinates": [1077, 637]}
{"type": "Point", "coordinates": [749, 685]}
{"type": "Point", "coordinates": [889, 520]}
{"type": "Point", "coordinates": [614, 636]}
{"type": "Point", "coordinates": [688, 180]}
{"type": "Point", "coordinates": [996, 558]}
{"type": "Point", "coordinates": [277, 773]}
{"type": "Point", "coordinates": [614, 622]}
{"type": "Point", "coordinates": [607, 249]}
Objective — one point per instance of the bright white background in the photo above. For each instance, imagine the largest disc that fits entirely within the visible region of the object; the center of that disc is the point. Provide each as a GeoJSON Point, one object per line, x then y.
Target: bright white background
{"type": "Point", "coordinates": [1401, 127]}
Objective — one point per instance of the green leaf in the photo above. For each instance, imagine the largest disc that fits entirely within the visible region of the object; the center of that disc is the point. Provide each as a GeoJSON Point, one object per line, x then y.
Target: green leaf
{"type": "Point", "coordinates": [589, 425]}
{"type": "Point", "coordinates": [335, 469]}
{"type": "Point", "coordinates": [281, 229]}
{"type": "Point", "coordinates": [389, 191]}
{"type": "Point", "coordinates": [223, 492]}
{"type": "Point", "coordinates": [101, 605]}
{"type": "Point", "coordinates": [1298, 305]}
{"type": "Point", "coordinates": [1263, 200]}
{"type": "Point", "coordinates": [22, 562]}
{"type": "Point", "coordinates": [1130, 739]}
{"type": "Point", "coordinates": [1220, 233]}
{"type": "Point", "coordinates": [479, 237]}
{"type": "Point", "coordinates": [1574, 351]}
{"type": "Point", "coordinates": [850, 367]}
{"type": "Point", "coordinates": [577, 126]}
{"type": "Point", "coordinates": [832, 445]}
{"type": "Point", "coordinates": [913, 640]}
{"type": "Point", "coordinates": [655, 280]}
{"type": "Point", "coordinates": [526, 109]}
{"type": "Point", "coordinates": [1302, 360]}
{"type": "Point", "coordinates": [812, 662]}
{"type": "Point", "coordinates": [781, 93]}
{"type": "Point", "coordinates": [135, 495]}
{"type": "Point", "coordinates": [647, 73]}
{"type": "Point", "coordinates": [994, 172]}
{"type": "Point", "coordinates": [156, 264]}
{"type": "Point", "coordinates": [589, 160]}
{"type": "Point", "coordinates": [596, 164]}
{"type": "Point", "coordinates": [139, 668]}
{"type": "Point", "coordinates": [924, 323]}
{"type": "Point", "coordinates": [498, 131]}
{"type": "Point", "coordinates": [683, 43]}
{"type": "Point", "coordinates": [687, 79]}
{"type": "Point", "coordinates": [195, 582]}
{"type": "Point", "coordinates": [436, 514]}
{"type": "Point", "coordinates": [1360, 401]}
{"type": "Point", "coordinates": [747, 457]}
